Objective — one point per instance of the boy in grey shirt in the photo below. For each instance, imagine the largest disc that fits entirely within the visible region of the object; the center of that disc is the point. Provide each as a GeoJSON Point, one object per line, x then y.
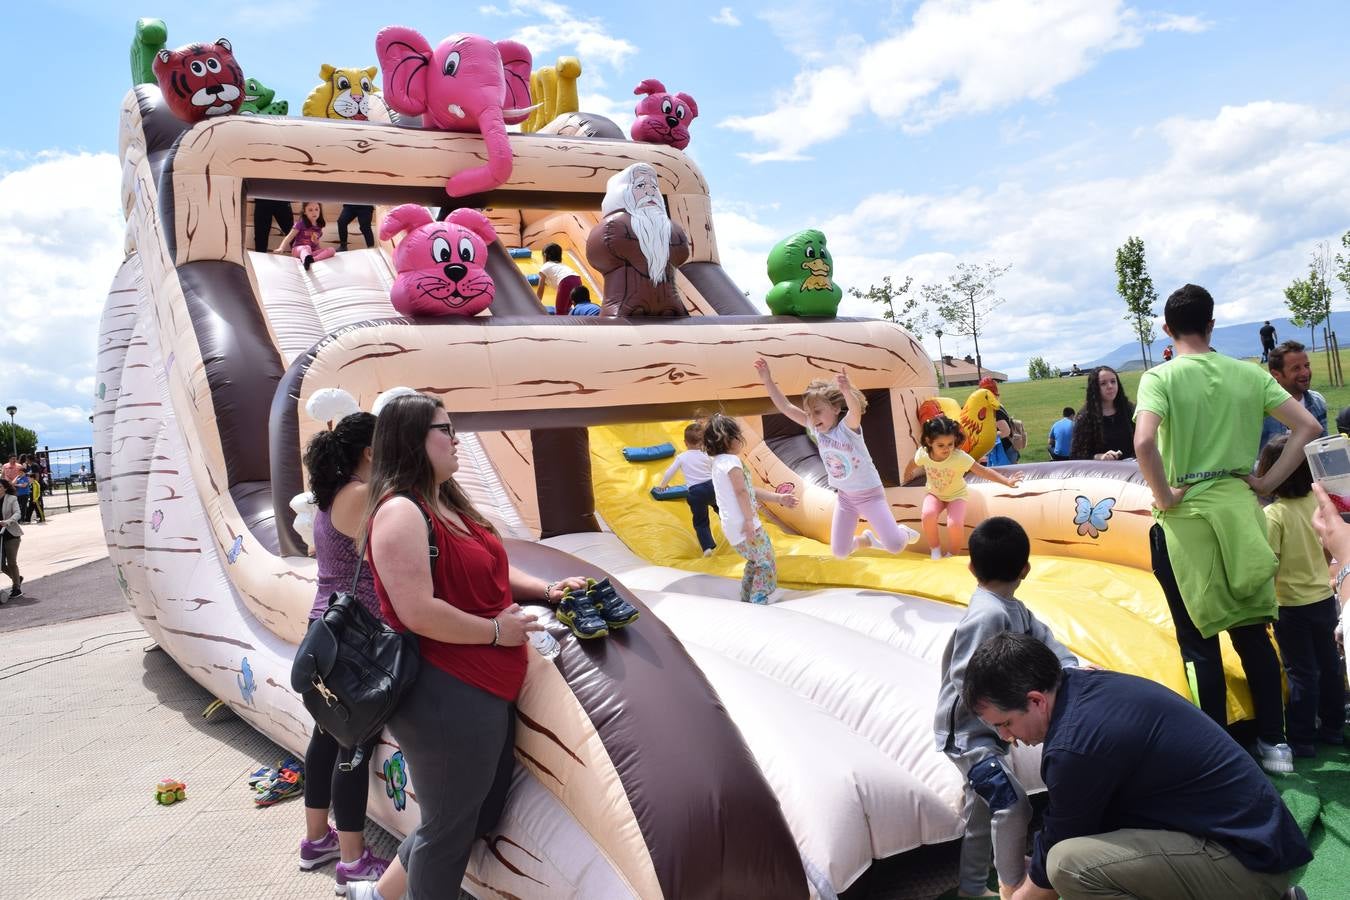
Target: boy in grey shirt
{"type": "Point", "coordinates": [996, 811]}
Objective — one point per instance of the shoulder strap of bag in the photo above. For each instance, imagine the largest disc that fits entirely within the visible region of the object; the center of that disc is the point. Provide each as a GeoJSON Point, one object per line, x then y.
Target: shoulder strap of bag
{"type": "Point", "coordinates": [432, 550]}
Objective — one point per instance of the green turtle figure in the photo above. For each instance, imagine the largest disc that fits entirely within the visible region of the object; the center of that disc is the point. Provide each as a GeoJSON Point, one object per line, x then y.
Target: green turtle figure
{"type": "Point", "coordinates": [802, 271]}
{"type": "Point", "coordinates": [259, 100]}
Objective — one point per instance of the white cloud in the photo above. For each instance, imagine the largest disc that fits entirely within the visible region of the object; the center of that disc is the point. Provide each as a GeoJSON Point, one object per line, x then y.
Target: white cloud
{"type": "Point", "coordinates": [566, 30]}
{"type": "Point", "coordinates": [1236, 203]}
{"type": "Point", "coordinates": [62, 229]}
{"type": "Point", "coordinates": [954, 59]}
{"type": "Point", "coordinates": [1185, 24]}
{"type": "Point", "coordinates": [725, 16]}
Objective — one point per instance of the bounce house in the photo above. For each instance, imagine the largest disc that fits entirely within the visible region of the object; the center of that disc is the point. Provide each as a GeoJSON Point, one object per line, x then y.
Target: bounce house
{"type": "Point", "coordinates": [713, 748]}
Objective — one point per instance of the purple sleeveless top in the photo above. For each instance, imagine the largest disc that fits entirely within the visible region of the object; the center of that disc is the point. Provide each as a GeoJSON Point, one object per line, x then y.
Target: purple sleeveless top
{"type": "Point", "coordinates": [337, 563]}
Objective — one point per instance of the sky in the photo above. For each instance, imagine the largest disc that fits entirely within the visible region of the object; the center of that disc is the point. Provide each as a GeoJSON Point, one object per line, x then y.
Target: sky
{"type": "Point", "coordinates": [1035, 134]}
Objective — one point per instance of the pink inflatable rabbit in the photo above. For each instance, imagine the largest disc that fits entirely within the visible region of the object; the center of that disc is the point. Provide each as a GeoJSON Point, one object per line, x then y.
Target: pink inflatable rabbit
{"type": "Point", "coordinates": [440, 264]}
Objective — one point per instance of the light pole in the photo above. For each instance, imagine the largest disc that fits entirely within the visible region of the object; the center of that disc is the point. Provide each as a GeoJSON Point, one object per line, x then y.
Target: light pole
{"type": "Point", "coordinates": [13, 442]}
{"type": "Point", "coordinates": [942, 361]}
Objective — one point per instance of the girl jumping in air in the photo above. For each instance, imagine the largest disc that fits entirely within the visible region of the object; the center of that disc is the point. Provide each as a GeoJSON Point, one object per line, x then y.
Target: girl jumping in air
{"type": "Point", "coordinates": [832, 413]}
{"type": "Point", "coordinates": [303, 240]}
{"type": "Point", "coordinates": [946, 466]}
{"type": "Point", "coordinates": [738, 506]}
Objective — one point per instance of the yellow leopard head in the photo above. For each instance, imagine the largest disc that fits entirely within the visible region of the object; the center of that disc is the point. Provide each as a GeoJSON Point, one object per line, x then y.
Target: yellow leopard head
{"type": "Point", "coordinates": [343, 94]}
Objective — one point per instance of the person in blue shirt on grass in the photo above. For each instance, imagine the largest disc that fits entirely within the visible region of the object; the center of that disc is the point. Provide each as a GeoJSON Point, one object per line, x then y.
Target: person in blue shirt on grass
{"type": "Point", "coordinates": [1061, 436]}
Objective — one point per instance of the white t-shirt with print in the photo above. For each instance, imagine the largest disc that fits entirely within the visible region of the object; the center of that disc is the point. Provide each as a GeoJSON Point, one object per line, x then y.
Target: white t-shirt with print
{"type": "Point", "coordinates": [848, 465]}
{"type": "Point", "coordinates": [725, 467]}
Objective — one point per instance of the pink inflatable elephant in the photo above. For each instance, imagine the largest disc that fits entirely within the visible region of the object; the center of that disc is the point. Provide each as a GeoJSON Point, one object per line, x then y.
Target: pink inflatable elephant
{"type": "Point", "coordinates": [467, 83]}
{"type": "Point", "coordinates": [440, 264]}
{"type": "Point", "coordinates": [663, 118]}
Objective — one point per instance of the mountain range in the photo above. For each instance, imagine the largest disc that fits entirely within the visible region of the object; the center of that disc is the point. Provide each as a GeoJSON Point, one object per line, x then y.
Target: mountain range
{"type": "Point", "coordinates": [1234, 340]}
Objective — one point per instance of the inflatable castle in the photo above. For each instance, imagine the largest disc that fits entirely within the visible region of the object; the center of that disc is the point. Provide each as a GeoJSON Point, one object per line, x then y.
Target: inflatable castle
{"type": "Point", "coordinates": [713, 748]}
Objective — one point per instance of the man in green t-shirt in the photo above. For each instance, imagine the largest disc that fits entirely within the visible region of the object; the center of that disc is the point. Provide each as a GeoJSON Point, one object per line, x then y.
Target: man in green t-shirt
{"type": "Point", "coordinates": [1197, 430]}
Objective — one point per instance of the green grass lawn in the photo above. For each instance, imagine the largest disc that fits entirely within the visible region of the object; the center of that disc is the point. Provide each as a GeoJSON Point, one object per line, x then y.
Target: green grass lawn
{"type": "Point", "coordinates": [1039, 403]}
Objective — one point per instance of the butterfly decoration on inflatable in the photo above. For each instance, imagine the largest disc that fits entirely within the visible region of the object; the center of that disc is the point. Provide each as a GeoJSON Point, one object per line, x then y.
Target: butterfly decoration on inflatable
{"type": "Point", "coordinates": [1091, 518]}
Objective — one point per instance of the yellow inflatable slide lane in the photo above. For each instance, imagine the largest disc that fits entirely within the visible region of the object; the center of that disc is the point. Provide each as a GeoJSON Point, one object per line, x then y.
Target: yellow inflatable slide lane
{"type": "Point", "coordinates": [1109, 614]}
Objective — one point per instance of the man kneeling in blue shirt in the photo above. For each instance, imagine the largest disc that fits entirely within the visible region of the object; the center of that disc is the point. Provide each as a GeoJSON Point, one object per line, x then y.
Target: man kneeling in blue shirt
{"type": "Point", "coordinates": [1149, 798]}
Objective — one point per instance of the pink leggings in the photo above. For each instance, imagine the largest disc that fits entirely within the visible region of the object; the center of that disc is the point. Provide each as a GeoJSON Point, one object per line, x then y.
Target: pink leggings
{"type": "Point", "coordinates": [956, 522]}
{"type": "Point", "coordinates": [300, 251]}
{"type": "Point", "coordinates": [871, 505]}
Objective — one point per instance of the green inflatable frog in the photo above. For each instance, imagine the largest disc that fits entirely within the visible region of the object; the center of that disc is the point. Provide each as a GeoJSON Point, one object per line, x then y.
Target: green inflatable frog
{"type": "Point", "coordinates": [802, 271]}
{"type": "Point", "coordinates": [259, 100]}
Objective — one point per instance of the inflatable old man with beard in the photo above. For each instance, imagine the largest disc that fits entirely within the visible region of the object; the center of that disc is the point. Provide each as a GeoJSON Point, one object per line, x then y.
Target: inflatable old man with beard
{"type": "Point", "coordinates": [636, 247]}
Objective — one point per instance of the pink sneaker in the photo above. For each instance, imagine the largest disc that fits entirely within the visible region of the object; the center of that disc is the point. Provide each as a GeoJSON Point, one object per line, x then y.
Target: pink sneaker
{"type": "Point", "coordinates": [317, 853]}
{"type": "Point", "coordinates": [368, 868]}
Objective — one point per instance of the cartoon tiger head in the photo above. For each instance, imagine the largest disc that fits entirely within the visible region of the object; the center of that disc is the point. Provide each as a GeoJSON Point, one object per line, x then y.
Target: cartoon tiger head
{"type": "Point", "coordinates": [343, 94]}
{"type": "Point", "coordinates": [200, 81]}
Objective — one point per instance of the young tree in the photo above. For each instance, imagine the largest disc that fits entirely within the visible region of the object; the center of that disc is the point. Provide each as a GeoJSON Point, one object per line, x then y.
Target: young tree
{"type": "Point", "coordinates": [1136, 287]}
{"type": "Point", "coordinates": [965, 301]}
{"type": "Point", "coordinates": [1306, 299]}
{"type": "Point", "coordinates": [1039, 370]}
{"type": "Point", "coordinates": [911, 316]}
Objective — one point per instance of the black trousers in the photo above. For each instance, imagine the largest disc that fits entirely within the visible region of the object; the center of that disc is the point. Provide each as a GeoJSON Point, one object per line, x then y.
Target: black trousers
{"type": "Point", "coordinates": [1204, 664]}
{"type": "Point", "coordinates": [1307, 636]}
{"type": "Point", "coordinates": [362, 215]}
{"type": "Point", "coordinates": [699, 498]}
{"type": "Point", "coordinates": [346, 792]}
{"type": "Point", "coordinates": [264, 212]}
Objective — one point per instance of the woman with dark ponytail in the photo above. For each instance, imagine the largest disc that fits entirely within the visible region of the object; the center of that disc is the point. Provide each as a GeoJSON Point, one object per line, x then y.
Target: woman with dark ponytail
{"type": "Point", "coordinates": [338, 462]}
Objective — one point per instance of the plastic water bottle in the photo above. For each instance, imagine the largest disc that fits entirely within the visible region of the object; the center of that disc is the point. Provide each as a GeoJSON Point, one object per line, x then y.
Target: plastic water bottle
{"type": "Point", "coordinates": [545, 643]}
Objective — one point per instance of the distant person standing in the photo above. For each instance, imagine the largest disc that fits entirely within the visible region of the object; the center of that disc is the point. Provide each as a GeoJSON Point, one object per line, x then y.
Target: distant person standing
{"type": "Point", "coordinates": [12, 469]}
{"type": "Point", "coordinates": [1168, 352]}
{"type": "Point", "coordinates": [10, 536]}
{"type": "Point", "coordinates": [1289, 366]}
{"type": "Point", "coordinates": [1061, 436]}
{"type": "Point", "coordinates": [1267, 341]}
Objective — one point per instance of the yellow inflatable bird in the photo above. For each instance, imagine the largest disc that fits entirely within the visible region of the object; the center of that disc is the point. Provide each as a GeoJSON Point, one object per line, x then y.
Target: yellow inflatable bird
{"type": "Point", "coordinates": [976, 419]}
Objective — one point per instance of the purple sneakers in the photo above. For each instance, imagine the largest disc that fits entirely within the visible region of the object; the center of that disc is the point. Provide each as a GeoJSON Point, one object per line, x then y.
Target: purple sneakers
{"type": "Point", "coordinates": [368, 868]}
{"type": "Point", "coordinates": [317, 853]}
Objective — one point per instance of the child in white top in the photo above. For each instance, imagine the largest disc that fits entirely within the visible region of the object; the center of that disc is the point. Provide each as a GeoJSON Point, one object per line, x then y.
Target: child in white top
{"type": "Point", "coordinates": [697, 468]}
{"type": "Point", "coordinates": [946, 465]}
{"type": "Point", "coordinates": [832, 415]}
{"type": "Point", "coordinates": [738, 504]}
{"type": "Point", "coordinates": [551, 272]}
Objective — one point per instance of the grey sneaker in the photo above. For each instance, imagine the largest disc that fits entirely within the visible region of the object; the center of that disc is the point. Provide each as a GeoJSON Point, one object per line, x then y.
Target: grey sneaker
{"type": "Point", "coordinates": [362, 890]}
{"type": "Point", "coordinates": [1278, 759]}
{"type": "Point", "coordinates": [1295, 893]}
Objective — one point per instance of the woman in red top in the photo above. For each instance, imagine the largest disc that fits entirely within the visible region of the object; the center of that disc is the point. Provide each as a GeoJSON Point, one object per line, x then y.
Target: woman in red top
{"type": "Point", "coordinates": [456, 725]}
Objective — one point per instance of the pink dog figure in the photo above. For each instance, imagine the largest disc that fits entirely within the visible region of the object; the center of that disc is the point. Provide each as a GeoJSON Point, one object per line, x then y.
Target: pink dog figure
{"type": "Point", "coordinates": [440, 264]}
{"type": "Point", "coordinates": [663, 118]}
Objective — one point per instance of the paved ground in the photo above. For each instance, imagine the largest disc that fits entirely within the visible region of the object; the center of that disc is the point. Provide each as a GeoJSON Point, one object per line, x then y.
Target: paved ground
{"type": "Point", "coordinates": [93, 716]}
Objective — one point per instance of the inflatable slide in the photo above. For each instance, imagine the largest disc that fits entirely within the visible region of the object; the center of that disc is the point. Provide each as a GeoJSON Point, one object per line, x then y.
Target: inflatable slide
{"type": "Point", "coordinates": [711, 750]}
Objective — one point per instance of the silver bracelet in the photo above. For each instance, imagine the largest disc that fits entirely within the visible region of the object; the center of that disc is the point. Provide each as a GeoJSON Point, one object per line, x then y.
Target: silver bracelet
{"type": "Point", "coordinates": [548, 590]}
{"type": "Point", "coordinates": [496, 633]}
{"type": "Point", "coordinates": [1340, 579]}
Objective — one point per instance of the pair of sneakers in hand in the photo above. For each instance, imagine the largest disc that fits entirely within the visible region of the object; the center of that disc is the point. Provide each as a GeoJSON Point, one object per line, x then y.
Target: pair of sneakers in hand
{"type": "Point", "coordinates": [595, 611]}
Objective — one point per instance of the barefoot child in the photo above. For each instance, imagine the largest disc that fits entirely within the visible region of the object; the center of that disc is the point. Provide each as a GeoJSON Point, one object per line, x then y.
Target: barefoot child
{"type": "Point", "coordinates": [946, 466]}
{"type": "Point", "coordinates": [831, 412]}
{"type": "Point", "coordinates": [697, 468]}
{"type": "Point", "coordinates": [738, 504]}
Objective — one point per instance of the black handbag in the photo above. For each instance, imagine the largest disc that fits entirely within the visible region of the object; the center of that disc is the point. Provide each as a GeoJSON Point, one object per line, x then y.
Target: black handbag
{"type": "Point", "coordinates": [352, 669]}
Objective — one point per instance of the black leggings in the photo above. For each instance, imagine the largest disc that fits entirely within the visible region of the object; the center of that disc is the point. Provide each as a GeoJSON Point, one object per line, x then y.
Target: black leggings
{"type": "Point", "coordinates": [362, 215]}
{"type": "Point", "coordinates": [346, 792]}
{"type": "Point", "coordinates": [264, 211]}
{"type": "Point", "coordinates": [1205, 665]}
